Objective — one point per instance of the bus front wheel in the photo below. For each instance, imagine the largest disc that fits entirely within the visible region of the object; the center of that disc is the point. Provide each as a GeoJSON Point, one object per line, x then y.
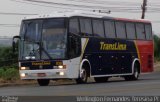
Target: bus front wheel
{"type": "Point", "coordinates": [83, 78]}
{"type": "Point", "coordinates": [43, 82]}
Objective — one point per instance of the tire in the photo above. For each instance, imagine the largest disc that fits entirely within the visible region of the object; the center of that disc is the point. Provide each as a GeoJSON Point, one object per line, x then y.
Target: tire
{"type": "Point", "coordinates": [43, 82]}
{"type": "Point", "coordinates": [83, 78]}
{"type": "Point", "coordinates": [135, 75]}
{"type": "Point", "coordinates": [101, 79]}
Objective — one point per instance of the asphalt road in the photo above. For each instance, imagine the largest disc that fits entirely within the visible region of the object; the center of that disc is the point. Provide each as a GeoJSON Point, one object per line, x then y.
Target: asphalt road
{"type": "Point", "coordinates": [147, 85]}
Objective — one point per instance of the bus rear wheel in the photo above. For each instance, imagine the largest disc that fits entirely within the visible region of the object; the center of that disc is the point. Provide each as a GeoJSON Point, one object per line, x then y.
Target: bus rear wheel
{"type": "Point", "coordinates": [135, 74]}
{"type": "Point", "coordinates": [43, 82]}
{"type": "Point", "coordinates": [83, 78]}
{"type": "Point", "coordinates": [101, 79]}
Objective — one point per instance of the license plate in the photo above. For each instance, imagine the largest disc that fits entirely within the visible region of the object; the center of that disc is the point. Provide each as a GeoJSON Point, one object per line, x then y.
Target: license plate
{"type": "Point", "coordinates": [41, 74]}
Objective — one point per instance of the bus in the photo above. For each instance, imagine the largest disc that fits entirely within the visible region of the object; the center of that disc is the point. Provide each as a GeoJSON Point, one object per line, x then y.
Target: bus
{"type": "Point", "coordinates": [81, 45]}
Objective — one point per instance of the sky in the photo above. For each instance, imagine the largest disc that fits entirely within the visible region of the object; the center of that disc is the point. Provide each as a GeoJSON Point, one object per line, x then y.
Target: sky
{"type": "Point", "coordinates": [13, 11]}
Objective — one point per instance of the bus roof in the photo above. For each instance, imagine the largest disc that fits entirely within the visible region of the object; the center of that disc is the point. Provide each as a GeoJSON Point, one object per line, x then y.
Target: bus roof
{"type": "Point", "coordinates": [84, 14]}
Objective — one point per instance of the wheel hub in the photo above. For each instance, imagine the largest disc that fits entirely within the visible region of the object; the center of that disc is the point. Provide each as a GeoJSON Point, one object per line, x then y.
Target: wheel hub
{"type": "Point", "coordinates": [83, 74]}
{"type": "Point", "coordinates": [136, 74]}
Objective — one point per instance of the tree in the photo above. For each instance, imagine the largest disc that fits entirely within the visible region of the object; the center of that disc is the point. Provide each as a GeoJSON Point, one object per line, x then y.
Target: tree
{"type": "Point", "coordinates": [7, 57]}
{"type": "Point", "coordinates": [156, 47]}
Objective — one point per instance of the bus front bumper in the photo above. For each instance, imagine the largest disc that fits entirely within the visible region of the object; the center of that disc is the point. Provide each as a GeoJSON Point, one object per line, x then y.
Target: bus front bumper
{"type": "Point", "coordinates": [44, 74]}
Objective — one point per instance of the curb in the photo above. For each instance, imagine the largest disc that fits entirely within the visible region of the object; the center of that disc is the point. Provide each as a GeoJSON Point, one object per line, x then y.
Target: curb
{"type": "Point", "coordinates": [19, 83]}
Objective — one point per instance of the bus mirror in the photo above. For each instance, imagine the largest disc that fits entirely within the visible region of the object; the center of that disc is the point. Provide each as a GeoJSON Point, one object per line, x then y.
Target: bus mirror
{"type": "Point", "coordinates": [14, 43]}
{"type": "Point", "coordinates": [16, 37]}
{"type": "Point", "coordinates": [13, 46]}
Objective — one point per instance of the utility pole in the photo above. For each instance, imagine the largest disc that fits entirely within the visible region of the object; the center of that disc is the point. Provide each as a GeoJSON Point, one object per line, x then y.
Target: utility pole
{"type": "Point", "coordinates": [144, 8]}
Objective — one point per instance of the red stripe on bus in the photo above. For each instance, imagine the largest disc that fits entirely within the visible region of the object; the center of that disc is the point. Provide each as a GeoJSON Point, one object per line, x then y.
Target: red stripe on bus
{"type": "Point", "coordinates": [145, 50]}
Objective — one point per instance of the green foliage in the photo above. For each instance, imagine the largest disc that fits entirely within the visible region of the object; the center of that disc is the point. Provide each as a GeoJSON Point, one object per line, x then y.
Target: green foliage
{"type": "Point", "coordinates": [7, 57]}
{"type": "Point", "coordinates": [156, 47]}
{"type": "Point", "coordinates": [2, 73]}
{"type": "Point", "coordinates": [8, 64]}
{"type": "Point", "coordinates": [7, 73]}
{"type": "Point", "coordinates": [11, 74]}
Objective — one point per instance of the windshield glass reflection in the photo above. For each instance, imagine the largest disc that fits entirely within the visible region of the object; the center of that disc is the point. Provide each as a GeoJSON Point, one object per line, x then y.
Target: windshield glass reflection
{"type": "Point", "coordinates": [43, 39]}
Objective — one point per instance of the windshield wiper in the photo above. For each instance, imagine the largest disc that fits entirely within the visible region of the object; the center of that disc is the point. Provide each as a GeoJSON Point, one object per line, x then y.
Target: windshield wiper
{"type": "Point", "coordinates": [42, 49]}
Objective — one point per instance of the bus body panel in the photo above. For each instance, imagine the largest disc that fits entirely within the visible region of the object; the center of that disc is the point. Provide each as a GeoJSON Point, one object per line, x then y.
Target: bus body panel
{"type": "Point", "coordinates": [51, 71]}
{"type": "Point", "coordinates": [115, 56]}
{"type": "Point", "coordinates": [104, 61]}
{"type": "Point", "coordinates": [145, 52]}
{"type": "Point", "coordinates": [111, 59]}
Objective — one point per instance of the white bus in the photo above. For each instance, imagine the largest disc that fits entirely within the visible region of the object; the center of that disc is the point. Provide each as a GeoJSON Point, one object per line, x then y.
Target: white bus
{"type": "Point", "coordinates": [78, 45]}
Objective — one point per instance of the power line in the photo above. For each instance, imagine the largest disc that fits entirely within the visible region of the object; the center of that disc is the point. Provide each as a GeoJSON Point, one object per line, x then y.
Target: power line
{"type": "Point", "coordinates": [30, 3]}
{"type": "Point", "coordinates": [105, 2]}
{"type": "Point", "coordinates": [84, 7]}
{"type": "Point", "coordinates": [82, 1]}
{"type": "Point", "coordinates": [9, 25]}
{"type": "Point", "coordinates": [74, 5]}
{"type": "Point", "coordinates": [115, 9]}
{"type": "Point", "coordinates": [44, 5]}
{"type": "Point", "coordinates": [9, 13]}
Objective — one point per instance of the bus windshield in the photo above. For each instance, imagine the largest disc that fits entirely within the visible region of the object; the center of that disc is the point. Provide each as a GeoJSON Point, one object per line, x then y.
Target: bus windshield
{"type": "Point", "coordinates": [43, 39]}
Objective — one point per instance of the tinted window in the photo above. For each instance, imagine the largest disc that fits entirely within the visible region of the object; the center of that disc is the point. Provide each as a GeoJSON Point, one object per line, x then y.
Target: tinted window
{"type": "Point", "coordinates": [109, 29]}
{"type": "Point", "coordinates": [140, 31]}
{"type": "Point", "coordinates": [54, 39]}
{"type": "Point", "coordinates": [32, 30]}
{"type": "Point", "coordinates": [86, 27]}
{"type": "Point", "coordinates": [74, 46]}
{"type": "Point", "coordinates": [131, 34]}
{"type": "Point", "coordinates": [98, 28]}
{"type": "Point", "coordinates": [148, 31]}
{"type": "Point", "coordinates": [120, 30]}
{"type": "Point", "coordinates": [74, 26]}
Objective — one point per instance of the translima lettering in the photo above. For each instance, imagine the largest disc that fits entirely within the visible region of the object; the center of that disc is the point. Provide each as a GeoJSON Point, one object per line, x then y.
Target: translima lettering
{"type": "Point", "coordinates": [114, 46]}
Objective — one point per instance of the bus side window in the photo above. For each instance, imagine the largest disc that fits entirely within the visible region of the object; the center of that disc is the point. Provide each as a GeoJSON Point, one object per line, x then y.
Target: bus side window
{"type": "Point", "coordinates": [140, 31]}
{"type": "Point", "coordinates": [109, 29]}
{"type": "Point", "coordinates": [148, 31]}
{"type": "Point", "coordinates": [74, 46]}
{"type": "Point", "coordinates": [85, 25]}
{"type": "Point", "coordinates": [74, 26]}
{"type": "Point", "coordinates": [120, 30]}
{"type": "Point", "coordinates": [131, 33]}
{"type": "Point", "coordinates": [98, 29]}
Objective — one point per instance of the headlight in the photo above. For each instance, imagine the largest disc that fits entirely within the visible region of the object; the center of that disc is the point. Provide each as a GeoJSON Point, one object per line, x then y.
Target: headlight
{"type": "Point", "coordinates": [62, 66]}
{"type": "Point", "coordinates": [33, 57]}
{"type": "Point", "coordinates": [27, 57]}
{"type": "Point", "coordinates": [30, 57]}
{"type": "Point", "coordinates": [24, 68]}
{"type": "Point", "coordinates": [23, 75]}
{"type": "Point", "coordinates": [61, 73]}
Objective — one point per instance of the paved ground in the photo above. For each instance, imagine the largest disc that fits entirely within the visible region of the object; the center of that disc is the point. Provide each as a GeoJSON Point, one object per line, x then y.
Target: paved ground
{"type": "Point", "coordinates": [148, 85]}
